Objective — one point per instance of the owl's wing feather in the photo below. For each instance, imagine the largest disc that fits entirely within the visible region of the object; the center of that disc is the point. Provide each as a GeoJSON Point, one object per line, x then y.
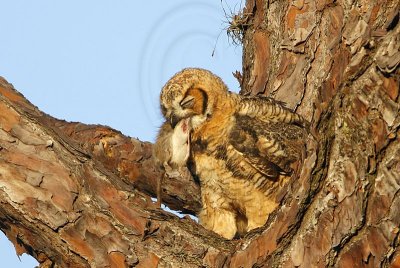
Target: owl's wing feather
{"type": "Point", "coordinates": [269, 110]}
{"type": "Point", "coordinates": [262, 165]}
{"type": "Point", "coordinates": [269, 148]}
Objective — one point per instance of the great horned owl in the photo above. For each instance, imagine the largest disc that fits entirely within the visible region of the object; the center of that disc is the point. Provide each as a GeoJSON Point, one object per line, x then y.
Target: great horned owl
{"type": "Point", "coordinates": [241, 148]}
{"type": "Point", "coordinates": [171, 151]}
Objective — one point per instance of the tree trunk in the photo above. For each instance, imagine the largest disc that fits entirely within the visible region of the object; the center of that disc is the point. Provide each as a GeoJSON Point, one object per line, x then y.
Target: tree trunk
{"type": "Point", "coordinates": [74, 195]}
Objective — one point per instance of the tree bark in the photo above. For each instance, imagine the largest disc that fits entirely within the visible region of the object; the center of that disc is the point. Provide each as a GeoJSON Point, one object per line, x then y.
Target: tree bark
{"type": "Point", "coordinates": [337, 64]}
{"type": "Point", "coordinates": [74, 195]}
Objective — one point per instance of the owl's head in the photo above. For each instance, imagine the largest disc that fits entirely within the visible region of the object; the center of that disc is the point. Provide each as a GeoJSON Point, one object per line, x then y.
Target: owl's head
{"type": "Point", "coordinates": [193, 92]}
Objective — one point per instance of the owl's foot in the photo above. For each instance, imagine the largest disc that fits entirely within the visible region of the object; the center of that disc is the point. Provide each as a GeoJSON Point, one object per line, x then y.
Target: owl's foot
{"type": "Point", "coordinates": [220, 221]}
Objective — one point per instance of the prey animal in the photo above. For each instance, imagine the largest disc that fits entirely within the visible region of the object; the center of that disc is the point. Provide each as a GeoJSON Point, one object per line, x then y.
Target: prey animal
{"type": "Point", "coordinates": [171, 151]}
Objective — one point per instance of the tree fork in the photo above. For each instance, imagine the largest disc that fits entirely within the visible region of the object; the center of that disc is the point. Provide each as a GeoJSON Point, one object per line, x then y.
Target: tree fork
{"type": "Point", "coordinates": [79, 195]}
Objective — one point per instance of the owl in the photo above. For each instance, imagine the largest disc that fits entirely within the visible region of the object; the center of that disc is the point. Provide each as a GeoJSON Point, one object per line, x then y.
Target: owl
{"type": "Point", "coordinates": [171, 151]}
{"type": "Point", "coordinates": [241, 148]}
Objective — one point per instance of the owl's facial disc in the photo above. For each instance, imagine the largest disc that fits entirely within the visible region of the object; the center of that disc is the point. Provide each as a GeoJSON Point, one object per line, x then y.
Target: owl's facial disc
{"type": "Point", "coordinates": [193, 104]}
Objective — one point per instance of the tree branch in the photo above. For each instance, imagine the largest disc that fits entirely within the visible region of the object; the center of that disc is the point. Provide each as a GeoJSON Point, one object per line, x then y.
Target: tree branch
{"type": "Point", "coordinates": [61, 204]}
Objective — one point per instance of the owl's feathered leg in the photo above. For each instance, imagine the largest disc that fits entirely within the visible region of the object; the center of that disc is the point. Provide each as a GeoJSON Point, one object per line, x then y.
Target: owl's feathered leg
{"type": "Point", "coordinates": [257, 219]}
{"type": "Point", "coordinates": [258, 210]}
{"type": "Point", "coordinates": [241, 224]}
{"type": "Point", "coordinates": [216, 216]}
{"type": "Point", "coordinates": [220, 221]}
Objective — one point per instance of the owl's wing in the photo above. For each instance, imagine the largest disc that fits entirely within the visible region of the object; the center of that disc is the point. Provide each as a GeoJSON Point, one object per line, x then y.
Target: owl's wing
{"type": "Point", "coordinates": [269, 148]}
{"type": "Point", "coordinates": [269, 110]}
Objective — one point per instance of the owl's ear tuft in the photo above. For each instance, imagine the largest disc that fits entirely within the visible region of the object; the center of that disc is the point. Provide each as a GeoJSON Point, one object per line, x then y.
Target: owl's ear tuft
{"type": "Point", "coordinates": [187, 102]}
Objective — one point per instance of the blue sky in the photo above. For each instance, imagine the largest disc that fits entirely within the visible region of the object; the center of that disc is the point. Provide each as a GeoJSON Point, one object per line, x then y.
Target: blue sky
{"type": "Point", "coordinates": [104, 62]}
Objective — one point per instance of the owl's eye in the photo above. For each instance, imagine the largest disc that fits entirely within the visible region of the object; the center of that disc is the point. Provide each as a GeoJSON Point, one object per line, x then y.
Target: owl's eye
{"type": "Point", "coordinates": [187, 102]}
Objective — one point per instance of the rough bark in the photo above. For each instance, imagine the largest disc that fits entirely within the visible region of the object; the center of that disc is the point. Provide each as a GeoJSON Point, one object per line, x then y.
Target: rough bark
{"type": "Point", "coordinates": [74, 195]}
{"type": "Point", "coordinates": [337, 64]}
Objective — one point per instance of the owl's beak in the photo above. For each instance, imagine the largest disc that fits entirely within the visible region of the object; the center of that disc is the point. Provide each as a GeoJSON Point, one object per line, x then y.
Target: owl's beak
{"type": "Point", "coordinates": [174, 120]}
